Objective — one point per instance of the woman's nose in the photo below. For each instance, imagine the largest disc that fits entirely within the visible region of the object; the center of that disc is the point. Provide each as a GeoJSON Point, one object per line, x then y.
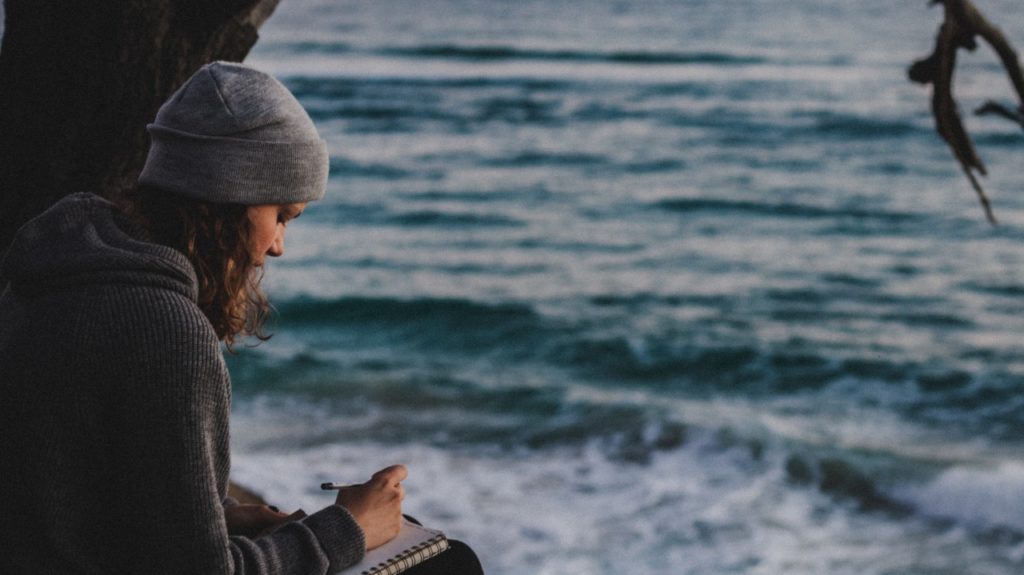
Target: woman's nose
{"type": "Point", "coordinates": [277, 248]}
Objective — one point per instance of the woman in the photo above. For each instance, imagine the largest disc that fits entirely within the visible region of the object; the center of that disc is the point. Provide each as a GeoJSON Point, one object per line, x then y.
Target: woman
{"type": "Point", "coordinates": [114, 438]}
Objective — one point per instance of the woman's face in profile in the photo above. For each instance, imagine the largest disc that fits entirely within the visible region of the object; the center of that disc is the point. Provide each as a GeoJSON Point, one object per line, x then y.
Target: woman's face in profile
{"type": "Point", "coordinates": [268, 225]}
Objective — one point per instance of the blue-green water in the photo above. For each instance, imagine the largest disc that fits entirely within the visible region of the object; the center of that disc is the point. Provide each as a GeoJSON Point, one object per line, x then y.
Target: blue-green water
{"type": "Point", "coordinates": [645, 287]}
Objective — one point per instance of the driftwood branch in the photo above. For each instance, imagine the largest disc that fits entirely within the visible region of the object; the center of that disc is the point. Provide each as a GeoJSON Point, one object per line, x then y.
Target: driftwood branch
{"type": "Point", "coordinates": [962, 24]}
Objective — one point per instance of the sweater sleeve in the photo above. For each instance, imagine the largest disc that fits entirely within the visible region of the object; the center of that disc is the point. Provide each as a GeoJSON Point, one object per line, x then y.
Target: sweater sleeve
{"type": "Point", "coordinates": [177, 408]}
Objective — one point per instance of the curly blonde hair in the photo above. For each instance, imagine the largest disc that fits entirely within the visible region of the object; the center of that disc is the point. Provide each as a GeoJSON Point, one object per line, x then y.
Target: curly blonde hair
{"type": "Point", "coordinates": [215, 239]}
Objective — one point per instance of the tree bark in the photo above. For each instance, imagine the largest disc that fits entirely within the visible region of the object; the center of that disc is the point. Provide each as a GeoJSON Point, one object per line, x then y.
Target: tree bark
{"type": "Point", "coordinates": [79, 81]}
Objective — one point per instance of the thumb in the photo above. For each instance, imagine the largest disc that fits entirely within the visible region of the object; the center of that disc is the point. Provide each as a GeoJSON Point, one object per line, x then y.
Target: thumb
{"type": "Point", "coordinates": [391, 475]}
{"type": "Point", "coordinates": [271, 513]}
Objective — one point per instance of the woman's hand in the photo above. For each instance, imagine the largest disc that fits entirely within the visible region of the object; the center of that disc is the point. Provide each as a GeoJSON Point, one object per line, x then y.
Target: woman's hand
{"type": "Point", "coordinates": [251, 520]}
{"type": "Point", "coordinates": [377, 504]}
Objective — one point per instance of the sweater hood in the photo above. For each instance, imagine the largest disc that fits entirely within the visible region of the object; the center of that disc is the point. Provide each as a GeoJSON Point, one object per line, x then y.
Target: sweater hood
{"type": "Point", "coordinates": [85, 240]}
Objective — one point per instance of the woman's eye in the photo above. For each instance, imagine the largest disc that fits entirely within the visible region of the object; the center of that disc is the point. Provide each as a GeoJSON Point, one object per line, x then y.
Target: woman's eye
{"type": "Point", "coordinates": [284, 217]}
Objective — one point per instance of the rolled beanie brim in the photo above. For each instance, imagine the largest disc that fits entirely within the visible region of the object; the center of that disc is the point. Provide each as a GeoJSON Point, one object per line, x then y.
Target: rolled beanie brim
{"type": "Point", "coordinates": [232, 170]}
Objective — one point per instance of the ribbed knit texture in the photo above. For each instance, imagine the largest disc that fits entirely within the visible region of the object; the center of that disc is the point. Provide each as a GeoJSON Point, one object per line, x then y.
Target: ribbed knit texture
{"type": "Point", "coordinates": [233, 134]}
{"type": "Point", "coordinates": [115, 404]}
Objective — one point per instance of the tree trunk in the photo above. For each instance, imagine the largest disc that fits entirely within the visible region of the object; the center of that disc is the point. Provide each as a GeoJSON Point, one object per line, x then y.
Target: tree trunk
{"type": "Point", "coordinates": [79, 81]}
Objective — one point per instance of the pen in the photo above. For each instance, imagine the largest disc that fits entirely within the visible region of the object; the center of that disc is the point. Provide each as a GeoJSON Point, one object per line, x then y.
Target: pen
{"type": "Point", "coordinates": [329, 486]}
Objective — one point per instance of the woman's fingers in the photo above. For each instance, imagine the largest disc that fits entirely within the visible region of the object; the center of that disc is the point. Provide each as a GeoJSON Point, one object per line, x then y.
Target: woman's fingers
{"type": "Point", "coordinates": [389, 476]}
{"type": "Point", "coordinates": [377, 504]}
{"type": "Point", "coordinates": [250, 520]}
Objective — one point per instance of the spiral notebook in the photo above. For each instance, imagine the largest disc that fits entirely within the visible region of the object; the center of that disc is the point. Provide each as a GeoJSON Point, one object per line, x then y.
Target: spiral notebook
{"type": "Point", "coordinates": [414, 545]}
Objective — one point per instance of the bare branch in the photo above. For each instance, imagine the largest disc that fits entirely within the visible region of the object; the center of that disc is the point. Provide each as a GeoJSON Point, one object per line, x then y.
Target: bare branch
{"type": "Point", "coordinates": [962, 23]}
{"type": "Point", "coordinates": [992, 108]}
{"type": "Point", "coordinates": [978, 24]}
{"type": "Point", "coordinates": [985, 205]}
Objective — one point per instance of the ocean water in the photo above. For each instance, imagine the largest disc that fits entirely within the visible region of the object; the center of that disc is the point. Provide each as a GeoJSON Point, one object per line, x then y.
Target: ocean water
{"type": "Point", "coordinates": [649, 287]}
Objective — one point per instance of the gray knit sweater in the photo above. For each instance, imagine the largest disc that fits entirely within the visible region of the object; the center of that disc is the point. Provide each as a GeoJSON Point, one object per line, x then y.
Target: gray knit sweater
{"type": "Point", "coordinates": [114, 404]}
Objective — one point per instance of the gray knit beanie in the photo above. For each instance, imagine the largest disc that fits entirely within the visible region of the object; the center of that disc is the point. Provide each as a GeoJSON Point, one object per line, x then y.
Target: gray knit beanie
{"type": "Point", "coordinates": [233, 134]}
